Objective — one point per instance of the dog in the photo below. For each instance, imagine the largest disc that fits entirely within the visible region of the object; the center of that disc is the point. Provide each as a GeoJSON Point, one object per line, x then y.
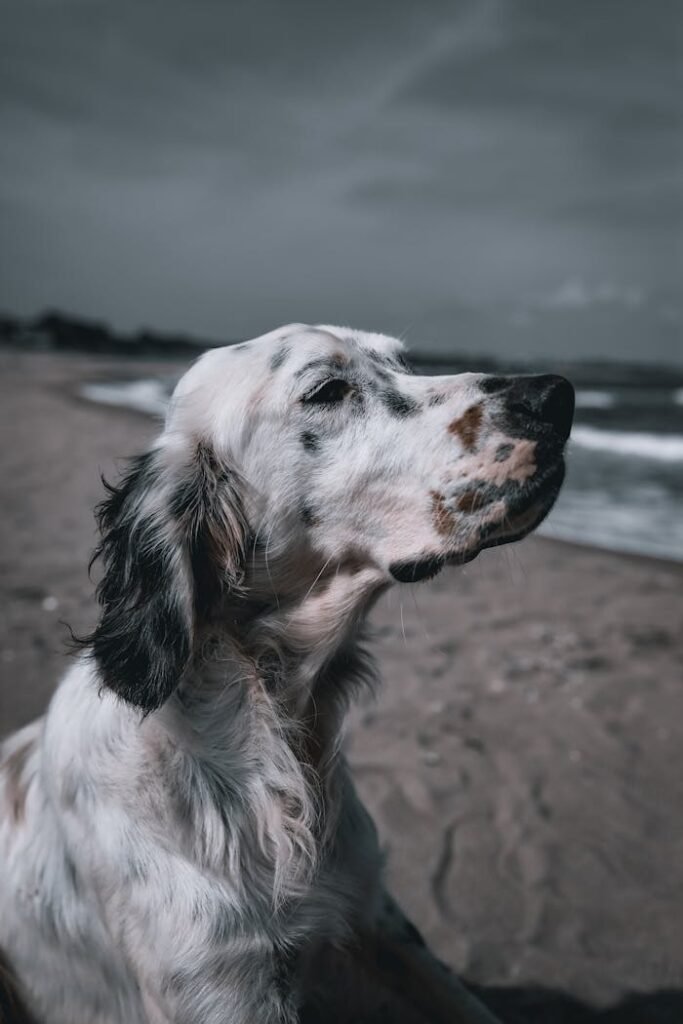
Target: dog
{"type": "Point", "coordinates": [180, 837]}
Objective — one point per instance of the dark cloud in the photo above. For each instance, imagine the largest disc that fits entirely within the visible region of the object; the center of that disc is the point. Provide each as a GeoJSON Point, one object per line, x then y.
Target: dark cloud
{"type": "Point", "coordinates": [423, 167]}
{"type": "Point", "coordinates": [588, 59]}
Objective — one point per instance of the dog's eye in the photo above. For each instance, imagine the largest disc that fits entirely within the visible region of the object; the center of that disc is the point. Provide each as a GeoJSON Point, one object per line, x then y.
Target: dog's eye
{"type": "Point", "coordinates": [329, 393]}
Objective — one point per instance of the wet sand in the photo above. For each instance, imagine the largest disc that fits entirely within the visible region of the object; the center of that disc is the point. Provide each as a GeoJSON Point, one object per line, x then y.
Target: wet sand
{"type": "Point", "coordinates": [523, 759]}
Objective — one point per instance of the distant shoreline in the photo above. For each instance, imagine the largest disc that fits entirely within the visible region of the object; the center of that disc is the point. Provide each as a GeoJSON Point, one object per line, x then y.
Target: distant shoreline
{"type": "Point", "coordinates": [62, 333]}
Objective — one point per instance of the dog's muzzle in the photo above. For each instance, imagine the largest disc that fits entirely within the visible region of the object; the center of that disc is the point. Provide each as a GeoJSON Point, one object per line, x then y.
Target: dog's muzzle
{"type": "Point", "coordinates": [535, 407]}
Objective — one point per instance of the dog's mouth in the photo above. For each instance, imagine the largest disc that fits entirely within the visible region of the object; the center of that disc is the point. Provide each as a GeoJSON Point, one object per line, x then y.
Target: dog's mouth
{"type": "Point", "coordinates": [524, 509]}
{"type": "Point", "coordinates": [417, 570]}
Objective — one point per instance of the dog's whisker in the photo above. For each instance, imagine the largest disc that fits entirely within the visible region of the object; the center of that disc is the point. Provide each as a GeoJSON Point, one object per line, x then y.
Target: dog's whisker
{"type": "Point", "coordinates": [317, 578]}
{"type": "Point", "coordinates": [267, 564]}
{"type": "Point", "coordinates": [403, 628]}
{"type": "Point", "coordinates": [420, 616]}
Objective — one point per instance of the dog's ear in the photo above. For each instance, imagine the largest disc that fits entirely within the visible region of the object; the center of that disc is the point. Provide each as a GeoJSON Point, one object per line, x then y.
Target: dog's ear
{"type": "Point", "coordinates": [173, 537]}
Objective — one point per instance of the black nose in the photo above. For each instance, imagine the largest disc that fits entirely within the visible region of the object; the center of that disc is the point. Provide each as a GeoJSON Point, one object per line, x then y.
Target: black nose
{"type": "Point", "coordinates": [546, 399]}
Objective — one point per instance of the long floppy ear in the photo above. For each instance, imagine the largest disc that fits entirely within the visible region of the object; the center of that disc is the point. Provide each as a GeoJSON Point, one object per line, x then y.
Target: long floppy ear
{"type": "Point", "coordinates": [173, 537]}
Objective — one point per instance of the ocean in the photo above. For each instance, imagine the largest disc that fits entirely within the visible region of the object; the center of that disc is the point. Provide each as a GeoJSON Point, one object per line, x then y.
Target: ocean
{"type": "Point", "coordinates": [624, 484]}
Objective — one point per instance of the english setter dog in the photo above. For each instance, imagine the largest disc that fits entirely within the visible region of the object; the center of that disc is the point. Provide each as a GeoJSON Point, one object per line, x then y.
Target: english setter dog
{"type": "Point", "coordinates": [180, 838]}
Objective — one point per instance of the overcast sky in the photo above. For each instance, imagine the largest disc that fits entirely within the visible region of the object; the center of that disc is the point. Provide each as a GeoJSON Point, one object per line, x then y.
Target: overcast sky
{"type": "Point", "coordinates": [501, 174]}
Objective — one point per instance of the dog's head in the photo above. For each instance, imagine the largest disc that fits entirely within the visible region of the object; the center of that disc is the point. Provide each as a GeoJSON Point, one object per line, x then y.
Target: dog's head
{"type": "Point", "coordinates": [309, 453]}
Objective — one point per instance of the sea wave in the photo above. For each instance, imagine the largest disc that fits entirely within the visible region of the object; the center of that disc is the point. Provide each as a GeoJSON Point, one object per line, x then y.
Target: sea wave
{"type": "Point", "coordinates": [659, 447]}
{"type": "Point", "coordinates": [590, 399]}
{"type": "Point", "coordinates": [646, 521]}
{"type": "Point", "coordinates": [678, 396]}
{"type": "Point", "coordinates": [149, 396]}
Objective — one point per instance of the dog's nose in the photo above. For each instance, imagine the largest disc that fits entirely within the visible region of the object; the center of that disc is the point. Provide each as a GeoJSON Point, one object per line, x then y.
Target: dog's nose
{"type": "Point", "coordinates": [546, 398]}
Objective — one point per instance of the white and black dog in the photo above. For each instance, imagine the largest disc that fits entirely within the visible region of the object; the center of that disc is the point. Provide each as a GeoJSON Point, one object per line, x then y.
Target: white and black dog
{"type": "Point", "coordinates": [179, 835]}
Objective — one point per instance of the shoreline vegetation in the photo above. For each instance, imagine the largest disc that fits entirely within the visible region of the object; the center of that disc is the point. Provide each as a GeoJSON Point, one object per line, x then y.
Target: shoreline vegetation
{"type": "Point", "coordinates": [55, 331]}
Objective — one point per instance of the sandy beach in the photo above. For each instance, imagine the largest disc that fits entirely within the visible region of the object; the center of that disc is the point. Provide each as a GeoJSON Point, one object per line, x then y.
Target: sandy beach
{"type": "Point", "coordinates": [522, 760]}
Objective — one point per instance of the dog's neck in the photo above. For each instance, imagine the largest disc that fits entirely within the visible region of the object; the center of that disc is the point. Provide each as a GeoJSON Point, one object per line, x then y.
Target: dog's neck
{"type": "Point", "coordinates": [302, 652]}
{"type": "Point", "coordinates": [312, 629]}
{"type": "Point", "coordinates": [260, 714]}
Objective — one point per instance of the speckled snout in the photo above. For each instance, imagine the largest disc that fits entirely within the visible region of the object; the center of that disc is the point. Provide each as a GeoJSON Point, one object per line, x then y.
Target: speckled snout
{"type": "Point", "coordinates": [509, 464]}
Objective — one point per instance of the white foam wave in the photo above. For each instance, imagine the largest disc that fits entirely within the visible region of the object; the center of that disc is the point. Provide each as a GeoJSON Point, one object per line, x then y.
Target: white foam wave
{"type": "Point", "coordinates": [644, 521]}
{"type": "Point", "coordinates": [659, 447]}
{"type": "Point", "coordinates": [150, 396]}
{"type": "Point", "coordinates": [594, 400]}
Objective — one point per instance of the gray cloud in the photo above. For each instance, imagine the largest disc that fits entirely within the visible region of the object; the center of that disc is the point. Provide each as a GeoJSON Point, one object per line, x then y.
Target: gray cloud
{"type": "Point", "coordinates": [414, 167]}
